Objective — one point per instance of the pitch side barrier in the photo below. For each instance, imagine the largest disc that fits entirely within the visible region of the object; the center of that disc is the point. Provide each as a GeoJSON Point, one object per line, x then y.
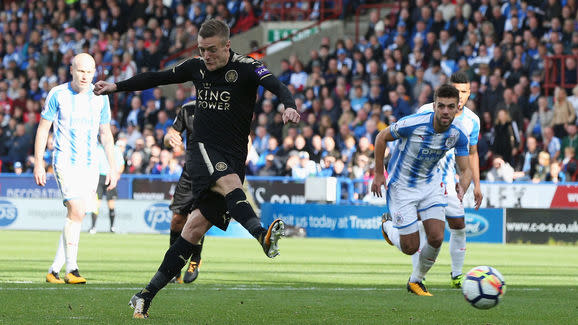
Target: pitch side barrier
{"type": "Point", "coordinates": [518, 212]}
{"type": "Point", "coordinates": [276, 189]}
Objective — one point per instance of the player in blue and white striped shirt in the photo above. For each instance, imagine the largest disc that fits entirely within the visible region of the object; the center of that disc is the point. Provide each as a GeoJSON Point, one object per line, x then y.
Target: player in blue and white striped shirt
{"type": "Point", "coordinates": [415, 183]}
{"type": "Point", "coordinates": [455, 214]}
{"type": "Point", "coordinates": [78, 117]}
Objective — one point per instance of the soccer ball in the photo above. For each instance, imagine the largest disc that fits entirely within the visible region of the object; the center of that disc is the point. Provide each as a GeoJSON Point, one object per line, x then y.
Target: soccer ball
{"type": "Point", "coordinates": [483, 287]}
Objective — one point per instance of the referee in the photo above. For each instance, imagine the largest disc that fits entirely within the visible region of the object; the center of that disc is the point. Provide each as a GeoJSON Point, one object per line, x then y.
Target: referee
{"type": "Point", "coordinates": [226, 84]}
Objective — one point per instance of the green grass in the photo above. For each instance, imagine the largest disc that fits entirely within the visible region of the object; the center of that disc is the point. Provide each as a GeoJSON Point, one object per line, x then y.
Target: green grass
{"type": "Point", "coordinates": [313, 281]}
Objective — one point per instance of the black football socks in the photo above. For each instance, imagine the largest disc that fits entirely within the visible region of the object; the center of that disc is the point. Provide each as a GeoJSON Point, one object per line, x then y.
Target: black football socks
{"type": "Point", "coordinates": [241, 210]}
{"type": "Point", "coordinates": [175, 258]}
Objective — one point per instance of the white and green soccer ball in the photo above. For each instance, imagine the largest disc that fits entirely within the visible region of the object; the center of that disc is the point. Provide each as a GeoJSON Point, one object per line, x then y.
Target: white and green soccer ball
{"type": "Point", "coordinates": [483, 287]}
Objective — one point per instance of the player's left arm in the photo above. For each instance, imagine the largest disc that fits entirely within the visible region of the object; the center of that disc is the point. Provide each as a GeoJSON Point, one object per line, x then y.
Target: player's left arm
{"type": "Point", "coordinates": [475, 166]}
{"type": "Point", "coordinates": [463, 162]}
{"type": "Point", "coordinates": [107, 141]}
{"type": "Point", "coordinates": [271, 83]}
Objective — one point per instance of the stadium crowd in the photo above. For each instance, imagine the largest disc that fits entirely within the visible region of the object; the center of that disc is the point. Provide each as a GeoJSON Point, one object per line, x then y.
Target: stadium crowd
{"type": "Point", "coordinates": [346, 91]}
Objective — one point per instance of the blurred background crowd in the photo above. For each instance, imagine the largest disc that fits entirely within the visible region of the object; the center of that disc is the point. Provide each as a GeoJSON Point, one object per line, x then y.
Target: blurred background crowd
{"type": "Point", "coordinates": [346, 90]}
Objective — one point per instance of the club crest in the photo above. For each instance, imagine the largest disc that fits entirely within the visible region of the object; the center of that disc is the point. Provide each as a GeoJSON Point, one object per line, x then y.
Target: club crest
{"type": "Point", "coordinates": [220, 166]}
{"type": "Point", "coordinates": [451, 141]}
{"type": "Point", "coordinates": [231, 76]}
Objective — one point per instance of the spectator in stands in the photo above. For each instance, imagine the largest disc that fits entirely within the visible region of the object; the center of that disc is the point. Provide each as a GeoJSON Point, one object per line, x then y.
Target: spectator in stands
{"type": "Point", "coordinates": [136, 114]}
{"type": "Point", "coordinates": [552, 143]}
{"type": "Point", "coordinates": [433, 74]}
{"type": "Point", "coordinates": [542, 172]}
{"type": "Point", "coordinates": [570, 165]}
{"type": "Point", "coordinates": [509, 104]}
{"type": "Point", "coordinates": [298, 77]}
{"type": "Point", "coordinates": [574, 99]}
{"type": "Point", "coordinates": [492, 95]}
{"type": "Point", "coordinates": [501, 171]}
{"type": "Point", "coordinates": [504, 143]}
{"type": "Point", "coordinates": [570, 74]}
{"type": "Point", "coordinates": [305, 168]}
{"type": "Point", "coordinates": [163, 121]}
{"type": "Point", "coordinates": [540, 119]}
{"type": "Point", "coordinates": [270, 168]}
{"type": "Point", "coordinates": [556, 174]}
{"type": "Point", "coordinates": [399, 105]}
{"type": "Point", "coordinates": [564, 112]}
{"type": "Point", "coordinates": [530, 160]}
{"type": "Point", "coordinates": [18, 169]}
{"type": "Point", "coordinates": [571, 140]}
{"type": "Point", "coordinates": [19, 145]}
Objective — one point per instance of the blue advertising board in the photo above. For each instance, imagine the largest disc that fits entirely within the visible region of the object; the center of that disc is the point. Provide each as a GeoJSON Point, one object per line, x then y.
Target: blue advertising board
{"type": "Point", "coordinates": [483, 226]}
{"type": "Point", "coordinates": [24, 187]}
{"type": "Point", "coordinates": [364, 221]}
{"type": "Point", "coordinates": [330, 221]}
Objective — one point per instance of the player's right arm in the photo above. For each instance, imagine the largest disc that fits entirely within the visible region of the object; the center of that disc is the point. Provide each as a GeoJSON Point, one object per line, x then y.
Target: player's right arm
{"type": "Point", "coordinates": [173, 138]}
{"type": "Point", "coordinates": [39, 148]}
{"type": "Point", "coordinates": [383, 137]}
{"type": "Point", "coordinates": [178, 74]}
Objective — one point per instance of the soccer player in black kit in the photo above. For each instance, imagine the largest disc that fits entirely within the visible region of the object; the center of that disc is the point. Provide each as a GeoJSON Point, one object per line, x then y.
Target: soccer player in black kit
{"type": "Point", "coordinates": [183, 200]}
{"type": "Point", "coordinates": [226, 84]}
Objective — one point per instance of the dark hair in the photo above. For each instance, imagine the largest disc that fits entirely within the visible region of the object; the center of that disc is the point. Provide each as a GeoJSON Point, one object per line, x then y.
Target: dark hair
{"type": "Point", "coordinates": [447, 91]}
{"type": "Point", "coordinates": [214, 27]}
{"type": "Point", "coordinates": [459, 78]}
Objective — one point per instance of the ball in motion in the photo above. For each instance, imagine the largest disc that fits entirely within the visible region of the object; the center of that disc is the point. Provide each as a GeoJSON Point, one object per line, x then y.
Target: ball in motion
{"type": "Point", "coordinates": [484, 287]}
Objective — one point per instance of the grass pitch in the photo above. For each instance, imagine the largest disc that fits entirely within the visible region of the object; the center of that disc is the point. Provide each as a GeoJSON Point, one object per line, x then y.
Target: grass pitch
{"type": "Point", "coordinates": [313, 281]}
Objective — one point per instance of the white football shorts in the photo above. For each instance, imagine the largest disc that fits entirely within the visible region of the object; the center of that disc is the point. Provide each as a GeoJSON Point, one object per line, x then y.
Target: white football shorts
{"type": "Point", "coordinates": [405, 203]}
{"type": "Point", "coordinates": [77, 183]}
{"type": "Point", "coordinates": [455, 208]}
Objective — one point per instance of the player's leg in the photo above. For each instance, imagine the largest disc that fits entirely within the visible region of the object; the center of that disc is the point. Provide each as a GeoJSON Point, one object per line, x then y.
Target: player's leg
{"type": "Point", "coordinates": [75, 213]}
{"type": "Point", "coordinates": [401, 220]}
{"type": "Point", "coordinates": [455, 216]}
{"type": "Point", "coordinates": [422, 241]}
{"type": "Point", "coordinates": [195, 263]}
{"type": "Point", "coordinates": [231, 188]}
{"type": "Point", "coordinates": [457, 249]}
{"type": "Point", "coordinates": [175, 258]}
{"type": "Point", "coordinates": [100, 189]}
{"type": "Point", "coordinates": [78, 188]}
{"type": "Point", "coordinates": [181, 205]}
{"type": "Point", "coordinates": [433, 224]}
{"type": "Point", "coordinates": [177, 223]}
{"type": "Point", "coordinates": [111, 197]}
{"type": "Point", "coordinates": [111, 213]}
{"type": "Point", "coordinates": [53, 275]}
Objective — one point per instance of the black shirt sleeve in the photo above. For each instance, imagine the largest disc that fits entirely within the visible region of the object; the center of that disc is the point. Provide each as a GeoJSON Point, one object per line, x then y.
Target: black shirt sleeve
{"type": "Point", "coordinates": [178, 74]}
{"type": "Point", "coordinates": [179, 123]}
{"type": "Point", "coordinates": [275, 86]}
{"type": "Point", "coordinates": [271, 83]}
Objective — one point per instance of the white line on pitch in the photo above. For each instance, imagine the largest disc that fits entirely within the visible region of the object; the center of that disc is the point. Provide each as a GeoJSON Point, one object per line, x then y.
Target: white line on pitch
{"type": "Point", "coordinates": [237, 289]}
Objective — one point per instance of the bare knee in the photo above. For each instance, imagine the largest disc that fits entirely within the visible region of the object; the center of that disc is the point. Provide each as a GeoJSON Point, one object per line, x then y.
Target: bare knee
{"type": "Point", "coordinates": [409, 248]}
{"type": "Point", "coordinates": [435, 240]}
{"type": "Point", "coordinates": [227, 184]}
{"type": "Point", "coordinates": [76, 210]}
{"type": "Point", "coordinates": [409, 243]}
{"type": "Point", "coordinates": [178, 222]}
{"type": "Point", "coordinates": [456, 223]}
{"type": "Point", "coordinates": [195, 227]}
